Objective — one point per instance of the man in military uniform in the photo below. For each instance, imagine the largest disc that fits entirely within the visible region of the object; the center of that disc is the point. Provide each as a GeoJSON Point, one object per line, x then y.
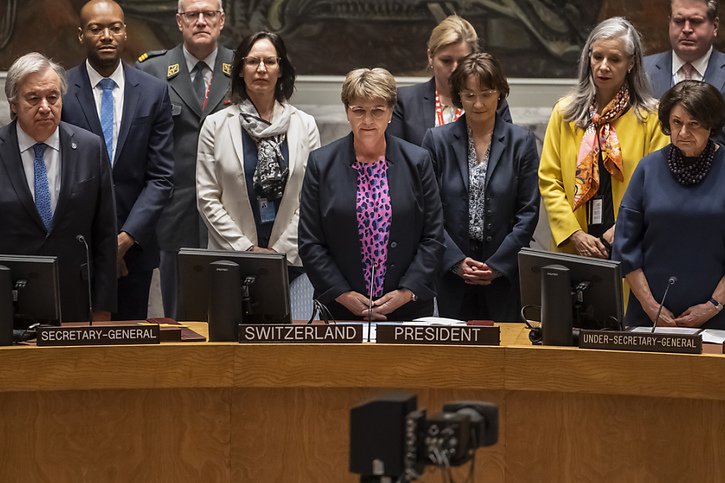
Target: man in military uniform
{"type": "Point", "coordinates": [197, 73]}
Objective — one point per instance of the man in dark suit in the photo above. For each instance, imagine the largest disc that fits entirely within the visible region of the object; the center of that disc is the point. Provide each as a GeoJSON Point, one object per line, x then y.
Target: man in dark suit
{"type": "Point", "coordinates": [132, 112]}
{"type": "Point", "coordinates": [55, 184]}
{"type": "Point", "coordinates": [692, 30]}
{"type": "Point", "coordinates": [197, 73]}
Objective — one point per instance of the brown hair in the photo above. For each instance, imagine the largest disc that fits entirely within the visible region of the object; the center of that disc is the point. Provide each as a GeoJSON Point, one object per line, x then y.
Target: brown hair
{"type": "Point", "coordinates": [484, 67]}
{"type": "Point", "coordinates": [701, 100]}
{"type": "Point", "coordinates": [375, 83]}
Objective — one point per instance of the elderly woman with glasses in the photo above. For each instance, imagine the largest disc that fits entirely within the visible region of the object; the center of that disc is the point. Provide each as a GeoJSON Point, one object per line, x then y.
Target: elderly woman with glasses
{"type": "Point", "coordinates": [670, 222]}
{"type": "Point", "coordinates": [371, 227]}
{"type": "Point", "coordinates": [487, 173]}
{"type": "Point", "coordinates": [252, 155]}
{"type": "Point", "coordinates": [596, 136]}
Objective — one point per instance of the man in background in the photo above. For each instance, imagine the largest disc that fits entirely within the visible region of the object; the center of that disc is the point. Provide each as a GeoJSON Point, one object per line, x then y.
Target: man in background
{"type": "Point", "coordinates": [197, 73]}
{"type": "Point", "coordinates": [131, 111]}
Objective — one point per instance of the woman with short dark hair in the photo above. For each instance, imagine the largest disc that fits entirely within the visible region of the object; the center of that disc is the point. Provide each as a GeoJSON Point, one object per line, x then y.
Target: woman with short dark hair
{"type": "Point", "coordinates": [487, 173]}
{"type": "Point", "coordinates": [670, 220]}
{"type": "Point", "coordinates": [252, 155]}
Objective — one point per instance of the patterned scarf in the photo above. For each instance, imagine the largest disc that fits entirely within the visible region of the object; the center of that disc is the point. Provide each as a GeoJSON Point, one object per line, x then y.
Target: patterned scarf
{"type": "Point", "coordinates": [269, 179]}
{"type": "Point", "coordinates": [600, 137]}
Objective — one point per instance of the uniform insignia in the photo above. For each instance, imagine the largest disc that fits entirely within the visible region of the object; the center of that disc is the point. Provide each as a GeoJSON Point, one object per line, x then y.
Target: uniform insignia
{"type": "Point", "coordinates": [173, 70]}
{"type": "Point", "coordinates": [151, 54]}
{"type": "Point", "coordinates": [227, 69]}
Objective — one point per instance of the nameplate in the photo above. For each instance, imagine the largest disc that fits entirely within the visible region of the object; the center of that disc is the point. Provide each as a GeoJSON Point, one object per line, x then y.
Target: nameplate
{"type": "Point", "coordinates": [98, 335]}
{"type": "Point", "coordinates": [438, 334]}
{"type": "Point", "coordinates": [306, 334]}
{"type": "Point", "coordinates": [641, 341]}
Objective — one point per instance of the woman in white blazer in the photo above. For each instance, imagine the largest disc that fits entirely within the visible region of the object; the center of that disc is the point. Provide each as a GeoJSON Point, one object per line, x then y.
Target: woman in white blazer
{"type": "Point", "coordinates": [253, 154]}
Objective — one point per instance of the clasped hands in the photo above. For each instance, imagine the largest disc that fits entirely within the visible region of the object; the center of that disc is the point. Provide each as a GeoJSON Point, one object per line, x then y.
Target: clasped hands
{"type": "Point", "coordinates": [591, 246]}
{"type": "Point", "coordinates": [358, 304]}
{"type": "Point", "coordinates": [474, 272]}
{"type": "Point", "coordinates": [694, 316]}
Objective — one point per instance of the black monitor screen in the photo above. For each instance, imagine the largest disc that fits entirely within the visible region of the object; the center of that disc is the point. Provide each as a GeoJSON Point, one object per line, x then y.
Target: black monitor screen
{"type": "Point", "coordinates": [601, 305]}
{"type": "Point", "coordinates": [35, 285]}
{"type": "Point", "coordinates": [269, 293]}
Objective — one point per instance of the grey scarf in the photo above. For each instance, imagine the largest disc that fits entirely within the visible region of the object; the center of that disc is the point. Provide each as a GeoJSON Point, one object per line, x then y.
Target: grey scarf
{"type": "Point", "coordinates": [269, 179]}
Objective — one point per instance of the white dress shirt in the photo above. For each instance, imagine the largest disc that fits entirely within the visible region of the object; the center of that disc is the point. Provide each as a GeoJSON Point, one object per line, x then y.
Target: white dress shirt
{"type": "Point", "coordinates": [118, 91]}
{"type": "Point", "coordinates": [700, 66]}
{"type": "Point", "coordinates": [51, 156]}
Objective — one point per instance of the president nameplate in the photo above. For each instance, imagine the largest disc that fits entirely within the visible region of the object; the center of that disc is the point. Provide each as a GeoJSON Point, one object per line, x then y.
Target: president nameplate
{"type": "Point", "coordinates": [301, 334]}
{"type": "Point", "coordinates": [438, 334]}
{"type": "Point", "coordinates": [641, 341]}
{"type": "Point", "coordinates": [98, 335]}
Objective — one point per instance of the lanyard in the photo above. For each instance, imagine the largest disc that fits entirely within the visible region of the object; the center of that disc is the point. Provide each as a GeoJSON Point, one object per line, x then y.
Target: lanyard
{"type": "Point", "coordinates": [439, 112]}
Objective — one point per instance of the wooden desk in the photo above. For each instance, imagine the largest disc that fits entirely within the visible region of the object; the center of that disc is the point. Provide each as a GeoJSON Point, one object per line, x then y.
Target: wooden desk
{"type": "Point", "coordinates": [280, 413]}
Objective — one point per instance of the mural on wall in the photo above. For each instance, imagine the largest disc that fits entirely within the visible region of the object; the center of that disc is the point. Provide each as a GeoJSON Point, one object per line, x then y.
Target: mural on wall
{"type": "Point", "coordinates": [534, 38]}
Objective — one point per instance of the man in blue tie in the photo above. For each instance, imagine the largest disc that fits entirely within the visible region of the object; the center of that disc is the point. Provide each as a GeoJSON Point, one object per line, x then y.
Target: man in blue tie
{"type": "Point", "coordinates": [55, 184]}
{"type": "Point", "coordinates": [131, 111]}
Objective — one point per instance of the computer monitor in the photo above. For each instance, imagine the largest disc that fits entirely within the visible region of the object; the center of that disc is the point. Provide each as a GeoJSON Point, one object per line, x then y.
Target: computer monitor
{"type": "Point", "coordinates": [596, 287]}
{"type": "Point", "coordinates": [264, 274]}
{"type": "Point", "coordinates": [34, 289]}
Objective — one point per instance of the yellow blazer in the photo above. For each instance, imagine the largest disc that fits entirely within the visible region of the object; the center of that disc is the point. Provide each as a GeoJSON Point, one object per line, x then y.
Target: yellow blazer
{"type": "Point", "coordinates": [221, 187]}
{"type": "Point", "coordinates": [557, 168]}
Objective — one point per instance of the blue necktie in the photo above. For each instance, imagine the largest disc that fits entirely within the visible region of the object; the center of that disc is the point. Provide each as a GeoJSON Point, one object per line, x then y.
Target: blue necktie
{"type": "Point", "coordinates": [42, 189]}
{"type": "Point", "coordinates": [107, 114]}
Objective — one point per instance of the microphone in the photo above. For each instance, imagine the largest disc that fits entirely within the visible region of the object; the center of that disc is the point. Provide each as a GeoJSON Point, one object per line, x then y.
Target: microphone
{"type": "Point", "coordinates": [82, 239]}
{"type": "Point", "coordinates": [370, 299]}
{"type": "Point", "coordinates": [670, 282]}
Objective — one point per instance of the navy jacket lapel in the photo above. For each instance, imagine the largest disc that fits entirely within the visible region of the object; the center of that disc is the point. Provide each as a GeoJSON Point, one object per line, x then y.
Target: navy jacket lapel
{"type": "Point", "coordinates": [68, 164]}
{"type": "Point", "coordinates": [715, 73]}
{"type": "Point", "coordinates": [460, 148]}
{"type": "Point", "coordinates": [84, 95]}
{"type": "Point", "coordinates": [497, 147]}
{"type": "Point", "coordinates": [429, 106]}
{"type": "Point", "coordinates": [131, 95]}
{"type": "Point", "coordinates": [10, 157]}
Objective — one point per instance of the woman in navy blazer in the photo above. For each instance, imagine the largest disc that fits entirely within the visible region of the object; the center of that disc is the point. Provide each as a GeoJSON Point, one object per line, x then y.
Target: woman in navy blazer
{"type": "Point", "coordinates": [487, 172]}
{"type": "Point", "coordinates": [423, 106]}
{"type": "Point", "coordinates": [371, 224]}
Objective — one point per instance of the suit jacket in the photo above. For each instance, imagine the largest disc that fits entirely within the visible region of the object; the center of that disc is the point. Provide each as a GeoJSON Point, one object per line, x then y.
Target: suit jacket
{"type": "Point", "coordinates": [328, 235]}
{"type": "Point", "coordinates": [85, 207]}
{"type": "Point", "coordinates": [557, 168]}
{"type": "Point", "coordinates": [512, 210]}
{"type": "Point", "coordinates": [415, 112]}
{"type": "Point", "coordinates": [659, 71]}
{"type": "Point", "coordinates": [222, 189]}
{"type": "Point", "coordinates": [143, 160]}
{"type": "Point", "coordinates": [180, 224]}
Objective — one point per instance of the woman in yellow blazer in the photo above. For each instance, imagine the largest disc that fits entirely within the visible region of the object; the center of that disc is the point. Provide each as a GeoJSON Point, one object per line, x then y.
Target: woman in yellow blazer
{"type": "Point", "coordinates": [596, 136]}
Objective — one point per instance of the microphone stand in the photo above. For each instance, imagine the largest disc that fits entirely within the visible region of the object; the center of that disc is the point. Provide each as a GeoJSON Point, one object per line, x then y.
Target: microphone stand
{"type": "Point", "coordinates": [370, 300]}
{"type": "Point", "coordinates": [670, 282]}
{"type": "Point", "coordinates": [82, 239]}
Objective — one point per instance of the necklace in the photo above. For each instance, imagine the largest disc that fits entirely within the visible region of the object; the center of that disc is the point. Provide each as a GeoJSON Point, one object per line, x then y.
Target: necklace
{"type": "Point", "coordinates": [690, 171]}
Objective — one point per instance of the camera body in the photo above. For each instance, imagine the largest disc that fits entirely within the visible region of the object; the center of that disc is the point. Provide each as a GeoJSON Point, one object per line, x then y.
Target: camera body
{"type": "Point", "coordinates": [390, 438]}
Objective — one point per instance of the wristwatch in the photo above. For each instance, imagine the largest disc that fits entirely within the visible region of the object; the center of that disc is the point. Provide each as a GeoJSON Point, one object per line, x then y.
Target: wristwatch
{"type": "Point", "coordinates": [413, 296]}
{"type": "Point", "coordinates": [717, 304]}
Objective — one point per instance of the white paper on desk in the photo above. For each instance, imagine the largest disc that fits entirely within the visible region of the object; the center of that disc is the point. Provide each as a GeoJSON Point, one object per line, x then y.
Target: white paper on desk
{"type": "Point", "coordinates": [435, 321]}
{"type": "Point", "coordinates": [668, 330]}
{"type": "Point", "coordinates": [713, 336]}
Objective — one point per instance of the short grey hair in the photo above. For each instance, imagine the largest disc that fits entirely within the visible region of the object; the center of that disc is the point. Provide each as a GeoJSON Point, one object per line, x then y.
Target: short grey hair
{"type": "Point", "coordinates": [221, 6]}
{"type": "Point", "coordinates": [31, 63]}
{"type": "Point", "coordinates": [375, 83]}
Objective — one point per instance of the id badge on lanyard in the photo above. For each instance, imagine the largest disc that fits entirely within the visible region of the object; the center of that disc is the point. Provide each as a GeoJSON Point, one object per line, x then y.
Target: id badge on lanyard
{"type": "Point", "coordinates": [266, 210]}
{"type": "Point", "coordinates": [594, 210]}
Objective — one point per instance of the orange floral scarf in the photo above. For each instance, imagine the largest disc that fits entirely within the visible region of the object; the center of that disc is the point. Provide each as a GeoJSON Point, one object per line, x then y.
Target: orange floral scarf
{"type": "Point", "coordinates": [600, 137]}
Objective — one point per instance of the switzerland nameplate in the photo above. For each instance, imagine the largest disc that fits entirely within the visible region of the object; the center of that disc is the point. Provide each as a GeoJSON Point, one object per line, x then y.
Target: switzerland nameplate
{"type": "Point", "coordinates": [438, 334]}
{"type": "Point", "coordinates": [641, 341]}
{"type": "Point", "coordinates": [306, 334]}
{"type": "Point", "coordinates": [98, 335]}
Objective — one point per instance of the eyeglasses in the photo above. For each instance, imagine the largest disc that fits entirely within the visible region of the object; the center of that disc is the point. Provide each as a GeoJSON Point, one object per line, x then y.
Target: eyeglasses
{"type": "Point", "coordinates": [376, 113]}
{"type": "Point", "coordinates": [209, 15]}
{"type": "Point", "coordinates": [468, 96]}
{"type": "Point", "coordinates": [269, 62]}
{"type": "Point", "coordinates": [98, 30]}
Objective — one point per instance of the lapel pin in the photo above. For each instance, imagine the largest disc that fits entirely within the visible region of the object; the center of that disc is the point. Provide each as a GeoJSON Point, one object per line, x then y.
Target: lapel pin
{"type": "Point", "coordinates": [227, 69]}
{"type": "Point", "coordinates": [172, 71]}
{"type": "Point", "coordinates": [73, 145]}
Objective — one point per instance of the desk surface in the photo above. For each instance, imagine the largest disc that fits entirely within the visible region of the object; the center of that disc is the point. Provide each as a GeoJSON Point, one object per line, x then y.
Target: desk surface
{"type": "Point", "coordinates": [272, 413]}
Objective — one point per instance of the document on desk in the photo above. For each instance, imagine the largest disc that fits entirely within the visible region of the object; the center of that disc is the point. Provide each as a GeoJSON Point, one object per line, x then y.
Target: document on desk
{"type": "Point", "coordinates": [713, 336]}
{"type": "Point", "coordinates": [668, 330]}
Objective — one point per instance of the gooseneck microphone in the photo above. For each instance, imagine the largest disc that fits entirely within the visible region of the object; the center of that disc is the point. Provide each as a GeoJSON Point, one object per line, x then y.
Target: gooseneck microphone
{"type": "Point", "coordinates": [370, 299]}
{"type": "Point", "coordinates": [670, 282]}
{"type": "Point", "coordinates": [82, 239]}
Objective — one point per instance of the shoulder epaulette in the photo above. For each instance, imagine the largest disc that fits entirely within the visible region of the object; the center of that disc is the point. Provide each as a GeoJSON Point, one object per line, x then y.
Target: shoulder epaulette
{"type": "Point", "coordinates": [150, 54]}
